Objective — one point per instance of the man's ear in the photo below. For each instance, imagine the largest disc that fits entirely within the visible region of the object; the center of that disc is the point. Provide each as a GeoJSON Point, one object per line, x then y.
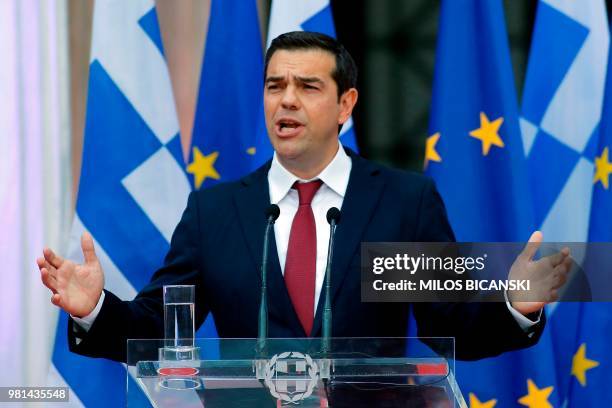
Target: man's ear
{"type": "Point", "coordinates": [347, 102]}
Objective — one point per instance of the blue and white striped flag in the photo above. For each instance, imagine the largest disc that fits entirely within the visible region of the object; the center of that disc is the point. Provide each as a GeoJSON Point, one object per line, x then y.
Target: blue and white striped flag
{"type": "Point", "coordinates": [133, 186]}
{"type": "Point", "coordinates": [301, 15]}
{"type": "Point", "coordinates": [561, 111]}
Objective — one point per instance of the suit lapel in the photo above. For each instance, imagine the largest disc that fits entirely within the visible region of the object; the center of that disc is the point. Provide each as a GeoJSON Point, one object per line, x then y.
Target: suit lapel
{"type": "Point", "coordinates": [362, 195]}
{"type": "Point", "coordinates": [251, 201]}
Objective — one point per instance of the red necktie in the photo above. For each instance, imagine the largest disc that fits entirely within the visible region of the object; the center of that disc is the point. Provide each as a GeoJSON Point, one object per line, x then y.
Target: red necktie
{"type": "Point", "coordinates": [301, 262]}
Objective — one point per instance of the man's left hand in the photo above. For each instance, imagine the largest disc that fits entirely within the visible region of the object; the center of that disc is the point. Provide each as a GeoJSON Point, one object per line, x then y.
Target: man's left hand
{"type": "Point", "coordinates": [546, 276]}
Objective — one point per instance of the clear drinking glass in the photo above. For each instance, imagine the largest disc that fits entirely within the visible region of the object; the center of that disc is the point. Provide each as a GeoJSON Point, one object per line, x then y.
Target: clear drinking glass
{"type": "Point", "coordinates": [179, 305]}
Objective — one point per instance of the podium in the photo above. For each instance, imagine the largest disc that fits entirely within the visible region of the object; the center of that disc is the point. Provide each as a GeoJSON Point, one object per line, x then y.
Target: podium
{"type": "Point", "coordinates": [304, 372]}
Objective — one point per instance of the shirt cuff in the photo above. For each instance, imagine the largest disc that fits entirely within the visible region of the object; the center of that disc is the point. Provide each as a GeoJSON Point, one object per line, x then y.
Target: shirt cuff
{"type": "Point", "coordinates": [86, 321]}
{"type": "Point", "coordinates": [524, 322]}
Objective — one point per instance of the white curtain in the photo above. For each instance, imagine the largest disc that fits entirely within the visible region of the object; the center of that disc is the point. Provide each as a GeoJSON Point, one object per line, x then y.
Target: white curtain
{"type": "Point", "coordinates": [35, 208]}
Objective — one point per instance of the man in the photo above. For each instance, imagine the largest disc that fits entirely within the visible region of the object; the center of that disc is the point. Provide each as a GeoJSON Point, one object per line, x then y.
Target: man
{"type": "Point", "coordinates": [309, 93]}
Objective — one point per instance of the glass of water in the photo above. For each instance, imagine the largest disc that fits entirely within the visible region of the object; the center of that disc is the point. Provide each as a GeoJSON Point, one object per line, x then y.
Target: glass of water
{"type": "Point", "coordinates": [179, 305]}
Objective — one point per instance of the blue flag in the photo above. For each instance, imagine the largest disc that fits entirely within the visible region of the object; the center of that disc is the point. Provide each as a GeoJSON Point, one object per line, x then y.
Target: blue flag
{"type": "Point", "coordinates": [561, 111]}
{"type": "Point", "coordinates": [475, 151]}
{"type": "Point", "coordinates": [230, 97]}
{"type": "Point", "coordinates": [476, 156]}
{"type": "Point", "coordinates": [600, 229]}
{"type": "Point", "coordinates": [132, 188]}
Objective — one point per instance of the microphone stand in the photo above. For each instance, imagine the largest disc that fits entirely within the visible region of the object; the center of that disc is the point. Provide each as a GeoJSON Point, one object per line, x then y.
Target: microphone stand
{"type": "Point", "coordinates": [333, 217]}
{"type": "Point", "coordinates": [262, 331]}
{"type": "Point", "coordinates": [327, 311]}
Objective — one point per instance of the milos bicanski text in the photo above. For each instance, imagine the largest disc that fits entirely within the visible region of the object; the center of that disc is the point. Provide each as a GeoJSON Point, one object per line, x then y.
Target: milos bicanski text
{"type": "Point", "coordinates": [458, 265]}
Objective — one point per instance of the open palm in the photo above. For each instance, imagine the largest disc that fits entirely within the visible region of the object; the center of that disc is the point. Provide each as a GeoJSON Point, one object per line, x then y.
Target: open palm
{"type": "Point", "coordinates": [546, 275]}
{"type": "Point", "coordinates": [76, 287]}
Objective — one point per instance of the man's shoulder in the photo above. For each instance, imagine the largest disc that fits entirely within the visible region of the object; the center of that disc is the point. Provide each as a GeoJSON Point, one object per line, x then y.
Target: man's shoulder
{"type": "Point", "coordinates": [397, 179]}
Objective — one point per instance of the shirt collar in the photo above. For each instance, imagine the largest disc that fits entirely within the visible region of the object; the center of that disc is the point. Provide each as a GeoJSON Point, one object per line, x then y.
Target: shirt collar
{"type": "Point", "coordinates": [335, 176]}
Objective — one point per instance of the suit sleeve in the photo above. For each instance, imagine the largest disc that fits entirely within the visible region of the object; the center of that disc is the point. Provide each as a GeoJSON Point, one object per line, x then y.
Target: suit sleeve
{"type": "Point", "coordinates": [480, 329]}
{"type": "Point", "coordinates": [143, 317]}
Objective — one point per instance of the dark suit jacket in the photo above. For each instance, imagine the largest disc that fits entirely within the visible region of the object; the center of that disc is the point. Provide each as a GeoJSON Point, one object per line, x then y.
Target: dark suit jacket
{"type": "Point", "coordinates": [217, 247]}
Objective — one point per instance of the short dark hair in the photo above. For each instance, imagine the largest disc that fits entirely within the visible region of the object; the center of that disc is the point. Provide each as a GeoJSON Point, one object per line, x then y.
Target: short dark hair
{"type": "Point", "coordinates": [345, 72]}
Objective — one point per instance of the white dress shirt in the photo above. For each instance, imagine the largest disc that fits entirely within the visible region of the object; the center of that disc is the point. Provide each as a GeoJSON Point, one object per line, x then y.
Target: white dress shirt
{"type": "Point", "coordinates": [335, 178]}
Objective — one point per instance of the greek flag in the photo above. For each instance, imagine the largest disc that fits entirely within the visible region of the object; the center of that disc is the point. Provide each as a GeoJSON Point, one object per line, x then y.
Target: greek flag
{"type": "Point", "coordinates": [561, 112]}
{"type": "Point", "coordinates": [301, 15]}
{"type": "Point", "coordinates": [133, 186]}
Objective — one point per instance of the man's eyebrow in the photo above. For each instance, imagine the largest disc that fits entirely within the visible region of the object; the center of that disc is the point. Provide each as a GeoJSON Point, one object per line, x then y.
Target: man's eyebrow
{"type": "Point", "coordinates": [309, 80]}
{"type": "Point", "coordinates": [274, 79]}
{"type": "Point", "coordinates": [299, 79]}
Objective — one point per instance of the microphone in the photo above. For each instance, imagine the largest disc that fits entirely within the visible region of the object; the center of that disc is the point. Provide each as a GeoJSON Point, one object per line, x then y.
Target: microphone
{"type": "Point", "coordinates": [333, 218]}
{"type": "Point", "coordinates": [272, 213]}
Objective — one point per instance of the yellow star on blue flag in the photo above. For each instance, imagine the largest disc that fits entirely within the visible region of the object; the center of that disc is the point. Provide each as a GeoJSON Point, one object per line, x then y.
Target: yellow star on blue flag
{"type": "Point", "coordinates": [603, 168]}
{"type": "Point", "coordinates": [581, 364]}
{"type": "Point", "coordinates": [203, 166]}
{"type": "Point", "coordinates": [536, 397]}
{"type": "Point", "coordinates": [476, 403]}
{"type": "Point", "coordinates": [488, 133]}
{"type": "Point", "coordinates": [430, 149]}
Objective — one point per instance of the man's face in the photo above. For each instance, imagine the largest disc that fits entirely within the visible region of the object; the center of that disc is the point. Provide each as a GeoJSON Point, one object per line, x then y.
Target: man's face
{"type": "Point", "coordinates": [302, 107]}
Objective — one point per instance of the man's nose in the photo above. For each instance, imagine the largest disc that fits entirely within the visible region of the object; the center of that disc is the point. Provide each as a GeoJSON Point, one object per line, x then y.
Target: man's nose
{"type": "Point", "coordinates": [290, 99]}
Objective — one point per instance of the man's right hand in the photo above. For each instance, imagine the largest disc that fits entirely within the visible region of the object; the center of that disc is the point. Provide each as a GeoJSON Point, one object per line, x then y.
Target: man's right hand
{"type": "Point", "coordinates": [76, 287]}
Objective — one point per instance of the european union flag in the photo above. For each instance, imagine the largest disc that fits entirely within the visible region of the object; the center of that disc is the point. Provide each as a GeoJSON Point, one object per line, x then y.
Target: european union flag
{"type": "Point", "coordinates": [600, 228]}
{"type": "Point", "coordinates": [230, 95]}
{"type": "Point", "coordinates": [475, 151]}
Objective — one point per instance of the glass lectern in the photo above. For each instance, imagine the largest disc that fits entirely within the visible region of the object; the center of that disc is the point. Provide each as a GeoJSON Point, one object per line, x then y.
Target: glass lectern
{"type": "Point", "coordinates": [309, 372]}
